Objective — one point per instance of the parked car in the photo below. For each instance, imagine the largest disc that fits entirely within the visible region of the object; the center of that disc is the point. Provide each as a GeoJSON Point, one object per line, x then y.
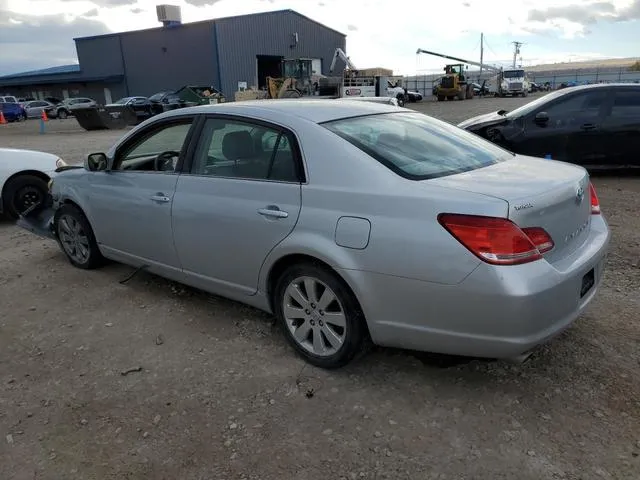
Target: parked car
{"type": "Point", "coordinates": [414, 96]}
{"type": "Point", "coordinates": [164, 101]}
{"type": "Point", "coordinates": [534, 87]}
{"type": "Point", "coordinates": [35, 108]}
{"type": "Point", "coordinates": [140, 105]}
{"type": "Point", "coordinates": [480, 89]}
{"type": "Point", "coordinates": [345, 219]}
{"type": "Point", "coordinates": [13, 111]}
{"type": "Point", "coordinates": [23, 179]}
{"type": "Point", "coordinates": [596, 126]}
{"type": "Point", "coordinates": [8, 99]}
{"type": "Point", "coordinates": [67, 106]}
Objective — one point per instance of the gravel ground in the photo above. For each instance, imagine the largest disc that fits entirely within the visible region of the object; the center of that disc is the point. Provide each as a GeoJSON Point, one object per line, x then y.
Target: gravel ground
{"type": "Point", "coordinates": [150, 380]}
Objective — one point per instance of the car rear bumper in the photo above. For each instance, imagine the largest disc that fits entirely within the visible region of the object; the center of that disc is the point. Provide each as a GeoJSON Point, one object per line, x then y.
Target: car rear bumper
{"type": "Point", "coordinates": [496, 312]}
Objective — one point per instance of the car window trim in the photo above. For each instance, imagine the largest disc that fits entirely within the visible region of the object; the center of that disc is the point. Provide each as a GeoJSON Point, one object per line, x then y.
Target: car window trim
{"type": "Point", "coordinates": [569, 96]}
{"type": "Point", "coordinates": [280, 129]}
{"type": "Point", "coordinates": [156, 126]}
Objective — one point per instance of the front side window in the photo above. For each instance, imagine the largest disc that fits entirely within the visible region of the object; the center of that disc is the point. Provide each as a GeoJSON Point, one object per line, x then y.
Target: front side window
{"type": "Point", "coordinates": [229, 148]}
{"type": "Point", "coordinates": [416, 146]}
{"type": "Point", "coordinates": [155, 151]}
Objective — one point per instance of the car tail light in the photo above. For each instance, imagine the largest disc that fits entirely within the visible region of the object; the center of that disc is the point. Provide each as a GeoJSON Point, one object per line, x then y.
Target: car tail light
{"type": "Point", "coordinates": [595, 203]}
{"type": "Point", "coordinates": [540, 238]}
{"type": "Point", "coordinates": [497, 241]}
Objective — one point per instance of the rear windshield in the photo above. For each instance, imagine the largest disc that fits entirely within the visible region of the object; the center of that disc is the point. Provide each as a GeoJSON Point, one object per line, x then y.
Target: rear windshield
{"type": "Point", "coordinates": [416, 146]}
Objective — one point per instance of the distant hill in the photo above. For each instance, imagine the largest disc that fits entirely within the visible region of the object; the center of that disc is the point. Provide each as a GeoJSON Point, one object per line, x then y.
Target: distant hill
{"type": "Point", "coordinates": [587, 64]}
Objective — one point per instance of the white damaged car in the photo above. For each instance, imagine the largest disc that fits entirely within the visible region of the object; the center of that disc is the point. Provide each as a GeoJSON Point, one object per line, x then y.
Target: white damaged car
{"type": "Point", "coordinates": [24, 178]}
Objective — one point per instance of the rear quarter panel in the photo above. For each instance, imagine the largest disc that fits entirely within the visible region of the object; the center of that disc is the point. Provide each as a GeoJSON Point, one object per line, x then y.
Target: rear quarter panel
{"type": "Point", "coordinates": [405, 240]}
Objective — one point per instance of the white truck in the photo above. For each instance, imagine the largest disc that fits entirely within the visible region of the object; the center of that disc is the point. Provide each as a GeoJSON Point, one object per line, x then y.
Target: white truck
{"type": "Point", "coordinates": [355, 85]}
{"type": "Point", "coordinates": [513, 81]}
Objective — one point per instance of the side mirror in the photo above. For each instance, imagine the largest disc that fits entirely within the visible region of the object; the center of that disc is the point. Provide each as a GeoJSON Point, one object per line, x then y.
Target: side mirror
{"type": "Point", "coordinates": [541, 118]}
{"type": "Point", "coordinates": [96, 162]}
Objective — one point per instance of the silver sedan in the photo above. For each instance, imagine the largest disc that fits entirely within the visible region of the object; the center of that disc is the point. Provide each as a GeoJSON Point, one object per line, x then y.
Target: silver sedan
{"type": "Point", "coordinates": [346, 220]}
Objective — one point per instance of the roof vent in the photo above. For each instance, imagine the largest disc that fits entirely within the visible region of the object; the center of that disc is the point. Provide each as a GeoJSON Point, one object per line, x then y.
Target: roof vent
{"type": "Point", "coordinates": [169, 15]}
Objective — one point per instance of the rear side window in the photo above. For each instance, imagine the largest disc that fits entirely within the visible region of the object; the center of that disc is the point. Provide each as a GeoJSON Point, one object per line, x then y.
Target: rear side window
{"type": "Point", "coordinates": [416, 146]}
{"type": "Point", "coordinates": [626, 104]}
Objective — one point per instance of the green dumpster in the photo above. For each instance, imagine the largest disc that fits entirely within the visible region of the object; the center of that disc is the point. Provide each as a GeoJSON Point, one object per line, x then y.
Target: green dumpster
{"type": "Point", "coordinates": [200, 95]}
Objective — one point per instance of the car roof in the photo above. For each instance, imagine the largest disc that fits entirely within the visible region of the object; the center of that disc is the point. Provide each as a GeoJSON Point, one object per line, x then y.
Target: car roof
{"type": "Point", "coordinates": [314, 110]}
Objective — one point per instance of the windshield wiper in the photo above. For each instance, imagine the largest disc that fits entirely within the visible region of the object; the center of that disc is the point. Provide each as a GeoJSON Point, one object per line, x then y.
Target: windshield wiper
{"type": "Point", "coordinates": [503, 112]}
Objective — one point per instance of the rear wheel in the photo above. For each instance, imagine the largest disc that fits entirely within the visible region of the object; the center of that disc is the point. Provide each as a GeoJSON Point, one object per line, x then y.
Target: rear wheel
{"type": "Point", "coordinates": [441, 98]}
{"type": "Point", "coordinates": [76, 238]}
{"type": "Point", "coordinates": [21, 193]}
{"type": "Point", "coordinates": [319, 314]}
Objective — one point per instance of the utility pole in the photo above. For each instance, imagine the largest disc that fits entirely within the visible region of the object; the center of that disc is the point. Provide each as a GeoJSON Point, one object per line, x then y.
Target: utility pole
{"type": "Point", "coordinates": [481, 55]}
{"type": "Point", "coordinates": [516, 52]}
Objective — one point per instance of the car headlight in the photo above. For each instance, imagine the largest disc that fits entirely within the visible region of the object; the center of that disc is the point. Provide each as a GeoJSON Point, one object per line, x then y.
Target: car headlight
{"type": "Point", "coordinates": [60, 163]}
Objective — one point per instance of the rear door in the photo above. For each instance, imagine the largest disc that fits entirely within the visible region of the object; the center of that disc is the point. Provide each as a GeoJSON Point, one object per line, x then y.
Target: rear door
{"type": "Point", "coordinates": [574, 130]}
{"type": "Point", "coordinates": [238, 200]}
{"type": "Point", "coordinates": [622, 128]}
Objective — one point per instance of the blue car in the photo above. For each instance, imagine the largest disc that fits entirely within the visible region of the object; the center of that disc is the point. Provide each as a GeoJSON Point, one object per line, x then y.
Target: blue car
{"type": "Point", "coordinates": [13, 112]}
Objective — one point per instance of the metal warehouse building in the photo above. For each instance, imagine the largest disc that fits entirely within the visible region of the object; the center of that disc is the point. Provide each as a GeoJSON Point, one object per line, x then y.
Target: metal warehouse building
{"type": "Point", "coordinates": [219, 53]}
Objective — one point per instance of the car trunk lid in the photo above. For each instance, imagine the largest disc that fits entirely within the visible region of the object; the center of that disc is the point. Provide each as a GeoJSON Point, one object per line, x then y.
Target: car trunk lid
{"type": "Point", "coordinates": [540, 193]}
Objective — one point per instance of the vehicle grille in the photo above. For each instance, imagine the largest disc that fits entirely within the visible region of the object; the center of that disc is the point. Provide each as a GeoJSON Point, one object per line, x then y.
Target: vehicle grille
{"type": "Point", "coordinates": [447, 82]}
{"type": "Point", "coordinates": [515, 86]}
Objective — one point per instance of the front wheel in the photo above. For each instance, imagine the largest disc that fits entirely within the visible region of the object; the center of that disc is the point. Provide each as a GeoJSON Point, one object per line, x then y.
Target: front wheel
{"type": "Point", "coordinates": [62, 114]}
{"type": "Point", "coordinates": [400, 99]}
{"type": "Point", "coordinates": [319, 314]}
{"type": "Point", "coordinates": [76, 238]}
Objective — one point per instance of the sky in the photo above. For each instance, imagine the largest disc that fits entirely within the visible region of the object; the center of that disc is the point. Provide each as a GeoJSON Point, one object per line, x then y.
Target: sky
{"type": "Point", "coordinates": [380, 33]}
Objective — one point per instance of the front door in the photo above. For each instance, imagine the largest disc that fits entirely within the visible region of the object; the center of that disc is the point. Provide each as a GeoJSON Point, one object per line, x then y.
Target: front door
{"type": "Point", "coordinates": [240, 199]}
{"type": "Point", "coordinates": [131, 203]}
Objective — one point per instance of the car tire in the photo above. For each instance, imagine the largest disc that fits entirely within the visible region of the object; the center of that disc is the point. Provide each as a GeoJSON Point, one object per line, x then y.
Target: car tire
{"type": "Point", "coordinates": [327, 334]}
{"type": "Point", "coordinates": [62, 114]}
{"type": "Point", "coordinates": [76, 238]}
{"type": "Point", "coordinates": [400, 99]}
{"type": "Point", "coordinates": [21, 192]}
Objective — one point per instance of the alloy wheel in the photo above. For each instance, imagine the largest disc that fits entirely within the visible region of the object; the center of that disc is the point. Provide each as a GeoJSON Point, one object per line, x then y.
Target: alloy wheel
{"type": "Point", "coordinates": [73, 238]}
{"type": "Point", "coordinates": [314, 315]}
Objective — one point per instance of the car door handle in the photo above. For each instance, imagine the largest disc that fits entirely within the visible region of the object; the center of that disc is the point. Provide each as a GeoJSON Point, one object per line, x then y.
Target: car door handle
{"type": "Point", "coordinates": [588, 126]}
{"type": "Point", "coordinates": [273, 211]}
{"type": "Point", "coordinates": [160, 198]}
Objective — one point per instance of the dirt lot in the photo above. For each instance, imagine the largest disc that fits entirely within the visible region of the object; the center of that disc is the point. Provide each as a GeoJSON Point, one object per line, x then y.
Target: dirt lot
{"type": "Point", "coordinates": [220, 395]}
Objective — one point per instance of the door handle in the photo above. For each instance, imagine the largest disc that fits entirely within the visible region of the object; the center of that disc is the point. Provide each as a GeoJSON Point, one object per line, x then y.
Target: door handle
{"type": "Point", "coordinates": [273, 211]}
{"type": "Point", "coordinates": [160, 198]}
{"type": "Point", "coordinates": [588, 126]}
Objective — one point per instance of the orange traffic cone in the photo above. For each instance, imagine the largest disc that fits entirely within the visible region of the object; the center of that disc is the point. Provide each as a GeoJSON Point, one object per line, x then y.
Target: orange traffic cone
{"type": "Point", "coordinates": [44, 116]}
{"type": "Point", "coordinates": [2, 119]}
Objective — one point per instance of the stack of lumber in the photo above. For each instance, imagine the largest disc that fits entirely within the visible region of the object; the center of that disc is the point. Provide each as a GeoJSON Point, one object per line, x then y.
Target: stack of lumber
{"type": "Point", "coordinates": [250, 94]}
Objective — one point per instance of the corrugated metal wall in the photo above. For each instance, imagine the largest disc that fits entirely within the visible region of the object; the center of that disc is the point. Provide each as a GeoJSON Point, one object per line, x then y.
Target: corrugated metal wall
{"type": "Point", "coordinates": [100, 56]}
{"type": "Point", "coordinates": [219, 52]}
{"type": "Point", "coordinates": [241, 39]}
{"type": "Point", "coordinates": [169, 58]}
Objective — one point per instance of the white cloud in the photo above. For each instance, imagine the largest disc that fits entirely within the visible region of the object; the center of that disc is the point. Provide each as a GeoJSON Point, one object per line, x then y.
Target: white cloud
{"type": "Point", "coordinates": [380, 32]}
